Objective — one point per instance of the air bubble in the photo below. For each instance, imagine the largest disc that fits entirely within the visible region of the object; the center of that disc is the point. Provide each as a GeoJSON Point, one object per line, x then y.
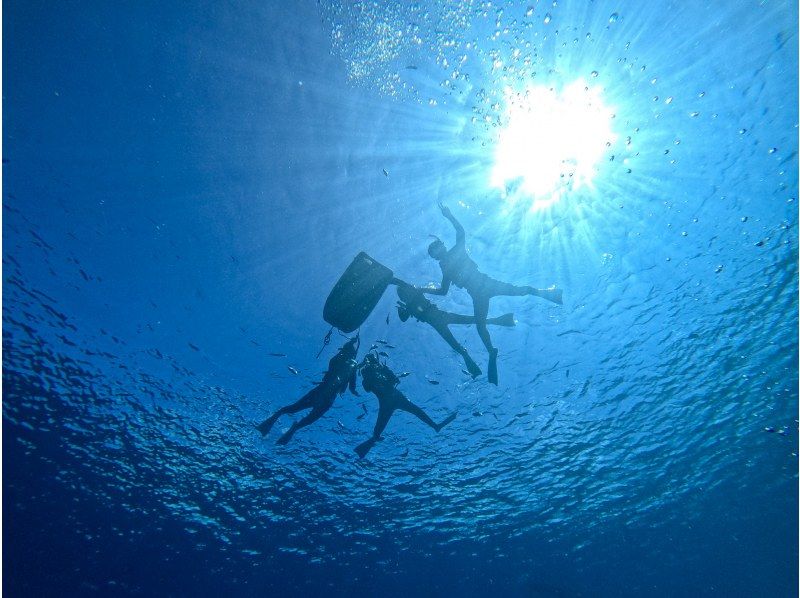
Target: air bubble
{"type": "Point", "coordinates": [694, 114]}
{"type": "Point", "coordinates": [547, 18]}
{"type": "Point", "coordinates": [613, 18]}
{"type": "Point", "coordinates": [595, 73]}
{"type": "Point", "coordinates": [529, 12]}
{"type": "Point", "coordinates": [772, 150]}
{"type": "Point", "coordinates": [668, 100]}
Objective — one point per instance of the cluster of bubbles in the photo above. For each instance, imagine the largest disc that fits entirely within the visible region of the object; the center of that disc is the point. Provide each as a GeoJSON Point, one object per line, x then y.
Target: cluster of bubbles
{"type": "Point", "coordinates": [468, 55]}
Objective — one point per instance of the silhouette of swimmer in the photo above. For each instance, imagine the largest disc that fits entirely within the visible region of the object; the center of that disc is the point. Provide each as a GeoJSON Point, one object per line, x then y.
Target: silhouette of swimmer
{"type": "Point", "coordinates": [459, 269]}
{"type": "Point", "coordinates": [378, 379]}
{"type": "Point", "coordinates": [413, 303]}
{"type": "Point", "coordinates": [341, 374]}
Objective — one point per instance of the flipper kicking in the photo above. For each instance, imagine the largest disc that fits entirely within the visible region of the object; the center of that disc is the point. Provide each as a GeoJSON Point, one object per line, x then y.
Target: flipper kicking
{"type": "Point", "coordinates": [340, 375]}
{"type": "Point", "coordinates": [378, 379]}
{"type": "Point", "coordinates": [459, 269]}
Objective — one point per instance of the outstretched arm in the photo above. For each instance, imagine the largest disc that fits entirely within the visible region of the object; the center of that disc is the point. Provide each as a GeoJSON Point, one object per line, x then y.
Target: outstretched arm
{"type": "Point", "coordinates": [460, 236]}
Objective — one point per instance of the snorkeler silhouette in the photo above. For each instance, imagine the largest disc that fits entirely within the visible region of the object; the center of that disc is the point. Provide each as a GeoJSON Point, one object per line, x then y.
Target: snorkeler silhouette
{"type": "Point", "coordinates": [378, 379]}
{"type": "Point", "coordinates": [341, 374]}
{"type": "Point", "coordinates": [413, 303]}
{"type": "Point", "coordinates": [459, 269]}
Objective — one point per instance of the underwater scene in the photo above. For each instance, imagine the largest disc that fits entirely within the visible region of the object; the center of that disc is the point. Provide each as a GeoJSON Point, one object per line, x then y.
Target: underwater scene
{"type": "Point", "coordinates": [395, 298]}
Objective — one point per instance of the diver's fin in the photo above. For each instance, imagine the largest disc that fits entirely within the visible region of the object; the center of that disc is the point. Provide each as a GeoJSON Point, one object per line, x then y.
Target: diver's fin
{"type": "Point", "coordinates": [551, 294]}
{"type": "Point", "coordinates": [493, 366]}
{"type": "Point", "coordinates": [265, 426]}
{"type": "Point", "coordinates": [504, 320]}
{"type": "Point", "coordinates": [472, 367]}
{"type": "Point", "coordinates": [449, 418]}
{"type": "Point", "coordinates": [287, 436]}
{"type": "Point", "coordinates": [363, 448]}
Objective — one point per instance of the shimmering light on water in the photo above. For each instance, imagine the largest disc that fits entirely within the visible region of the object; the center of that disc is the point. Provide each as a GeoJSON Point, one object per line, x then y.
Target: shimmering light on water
{"type": "Point", "coordinates": [551, 141]}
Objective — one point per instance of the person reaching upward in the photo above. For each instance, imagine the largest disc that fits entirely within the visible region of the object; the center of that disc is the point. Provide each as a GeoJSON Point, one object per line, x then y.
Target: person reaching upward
{"type": "Point", "coordinates": [459, 269]}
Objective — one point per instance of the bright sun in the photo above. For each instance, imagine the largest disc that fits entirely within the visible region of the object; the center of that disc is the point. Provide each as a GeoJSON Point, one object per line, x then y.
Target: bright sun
{"type": "Point", "coordinates": [551, 142]}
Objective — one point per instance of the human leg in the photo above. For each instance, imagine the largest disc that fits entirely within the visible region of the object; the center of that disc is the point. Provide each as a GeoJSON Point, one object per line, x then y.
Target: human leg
{"type": "Point", "coordinates": [318, 411]}
{"type": "Point", "coordinates": [445, 333]}
{"type": "Point", "coordinates": [384, 413]}
{"type": "Point", "coordinates": [304, 402]}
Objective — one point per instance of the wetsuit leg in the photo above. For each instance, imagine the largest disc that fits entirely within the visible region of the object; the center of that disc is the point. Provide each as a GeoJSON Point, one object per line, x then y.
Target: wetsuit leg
{"type": "Point", "coordinates": [480, 304]}
{"type": "Point", "coordinates": [445, 333]}
{"type": "Point", "coordinates": [410, 407]}
{"type": "Point", "coordinates": [495, 288]}
{"type": "Point", "coordinates": [318, 411]}
{"type": "Point", "coordinates": [305, 402]}
{"type": "Point", "coordinates": [449, 318]}
{"type": "Point", "coordinates": [385, 411]}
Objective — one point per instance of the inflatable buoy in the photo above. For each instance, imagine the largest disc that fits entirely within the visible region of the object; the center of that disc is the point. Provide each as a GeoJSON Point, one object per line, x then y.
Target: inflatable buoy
{"type": "Point", "coordinates": [356, 293]}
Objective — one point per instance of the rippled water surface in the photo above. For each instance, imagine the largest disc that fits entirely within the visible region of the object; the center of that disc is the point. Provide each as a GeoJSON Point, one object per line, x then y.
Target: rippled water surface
{"type": "Point", "coordinates": [182, 186]}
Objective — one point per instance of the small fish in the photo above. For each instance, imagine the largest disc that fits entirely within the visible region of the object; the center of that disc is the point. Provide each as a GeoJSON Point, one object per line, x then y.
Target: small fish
{"type": "Point", "coordinates": [434, 382]}
{"type": "Point", "coordinates": [466, 372]}
{"type": "Point", "coordinates": [195, 347]}
{"type": "Point", "coordinates": [567, 373]}
{"type": "Point", "coordinates": [257, 344]}
{"type": "Point", "coordinates": [477, 413]}
{"type": "Point", "coordinates": [405, 454]}
{"type": "Point", "coordinates": [293, 370]}
{"type": "Point", "coordinates": [278, 354]}
{"type": "Point", "coordinates": [340, 424]}
{"type": "Point", "coordinates": [387, 318]}
{"type": "Point", "coordinates": [383, 354]}
{"type": "Point", "coordinates": [403, 374]}
{"type": "Point", "coordinates": [364, 407]}
{"type": "Point", "coordinates": [386, 174]}
{"type": "Point", "coordinates": [381, 341]}
{"type": "Point", "coordinates": [411, 67]}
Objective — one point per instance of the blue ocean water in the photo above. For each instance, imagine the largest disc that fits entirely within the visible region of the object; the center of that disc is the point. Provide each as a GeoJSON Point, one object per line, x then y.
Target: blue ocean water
{"type": "Point", "coordinates": [183, 185]}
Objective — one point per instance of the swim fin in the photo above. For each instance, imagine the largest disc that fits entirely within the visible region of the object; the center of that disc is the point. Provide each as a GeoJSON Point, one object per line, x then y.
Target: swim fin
{"type": "Point", "coordinates": [449, 418]}
{"type": "Point", "coordinates": [265, 426]}
{"type": "Point", "coordinates": [493, 366]}
{"type": "Point", "coordinates": [551, 294]}
{"type": "Point", "coordinates": [363, 448]}
{"type": "Point", "coordinates": [472, 367]}
{"type": "Point", "coordinates": [504, 320]}
{"type": "Point", "coordinates": [287, 436]}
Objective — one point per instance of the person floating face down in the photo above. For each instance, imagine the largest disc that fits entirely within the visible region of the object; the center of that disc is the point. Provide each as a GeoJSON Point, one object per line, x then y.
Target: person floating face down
{"type": "Point", "coordinates": [378, 379]}
{"type": "Point", "coordinates": [340, 375]}
{"type": "Point", "coordinates": [459, 269]}
{"type": "Point", "coordinates": [413, 303]}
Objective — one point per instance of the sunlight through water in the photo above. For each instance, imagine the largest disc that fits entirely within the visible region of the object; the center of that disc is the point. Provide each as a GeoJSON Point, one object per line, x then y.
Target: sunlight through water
{"type": "Point", "coordinates": [551, 142]}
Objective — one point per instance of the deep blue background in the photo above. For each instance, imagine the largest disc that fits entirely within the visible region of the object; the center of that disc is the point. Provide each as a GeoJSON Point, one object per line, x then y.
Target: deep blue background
{"type": "Point", "coordinates": [182, 185]}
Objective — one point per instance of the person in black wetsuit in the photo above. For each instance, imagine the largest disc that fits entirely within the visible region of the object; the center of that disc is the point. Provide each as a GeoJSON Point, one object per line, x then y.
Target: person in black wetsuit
{"type": "Point", "coordinates": [413, 303]}
{"type": "Point", "coordinates": [341, 374]}
{"type": "Point", "coordinates": [378, 379]}
{"type": "Point", "coordinates": [459, 269]}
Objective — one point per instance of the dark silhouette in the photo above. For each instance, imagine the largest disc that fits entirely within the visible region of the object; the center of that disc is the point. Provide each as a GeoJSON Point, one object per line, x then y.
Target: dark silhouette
{"type": "Point", "coordinates": [341, 374]}
{"type": "Point", "coordinates": [413, 303]}
{"type": "Point", "coordinates": [459, 269]}
{"type": "Point", "coordinates": [378, 379]}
